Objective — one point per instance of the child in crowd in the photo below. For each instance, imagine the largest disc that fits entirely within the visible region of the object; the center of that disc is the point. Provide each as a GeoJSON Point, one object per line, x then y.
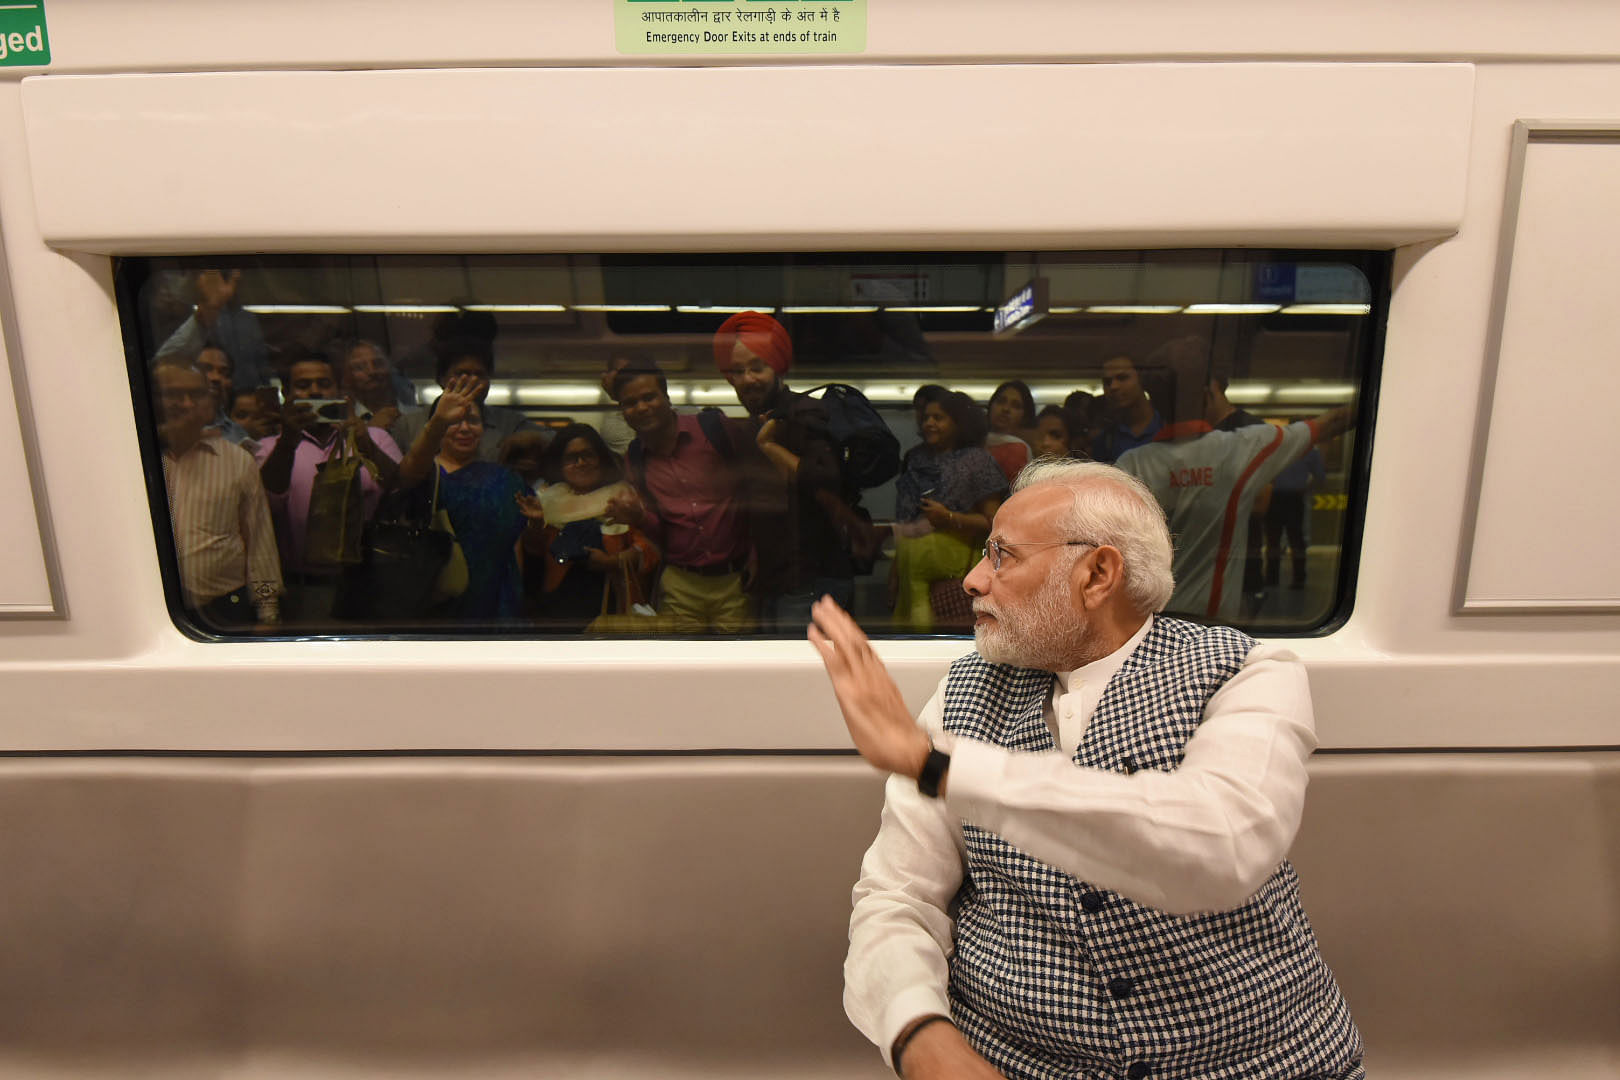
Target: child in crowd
{"type": "Point", "coordinates": [1058, 434]}
{"type": "Point", "coordinates": [258, 412]}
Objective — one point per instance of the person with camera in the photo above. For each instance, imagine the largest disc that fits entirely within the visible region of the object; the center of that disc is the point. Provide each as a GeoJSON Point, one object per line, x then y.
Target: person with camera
{"type": "Point", "coordinates": [317, 425]}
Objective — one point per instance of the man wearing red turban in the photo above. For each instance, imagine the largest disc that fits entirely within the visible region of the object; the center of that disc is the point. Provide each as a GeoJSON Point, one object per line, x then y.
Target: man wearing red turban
{"type": "Point", "coordinates": [760, 334]}
{"type": "Point", "coordinates": [794, 509]}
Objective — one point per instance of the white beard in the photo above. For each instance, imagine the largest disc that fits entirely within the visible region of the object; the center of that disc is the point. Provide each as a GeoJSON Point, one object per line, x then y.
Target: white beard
{"type": "Point", "coordinates": [1045, 635]}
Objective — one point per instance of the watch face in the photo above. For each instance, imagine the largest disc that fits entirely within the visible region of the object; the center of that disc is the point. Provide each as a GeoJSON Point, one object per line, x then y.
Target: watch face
{"type": "Point", "coordinates": [933, 771]}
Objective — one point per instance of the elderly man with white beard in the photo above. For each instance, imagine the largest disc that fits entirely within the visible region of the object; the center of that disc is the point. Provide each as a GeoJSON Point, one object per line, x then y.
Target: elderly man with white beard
{"type": "Point", "coordinates": [1080, 870]}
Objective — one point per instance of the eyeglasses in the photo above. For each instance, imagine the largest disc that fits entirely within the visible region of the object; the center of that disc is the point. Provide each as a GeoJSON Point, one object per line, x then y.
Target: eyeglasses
{"type": "Point", "coordinates": [581, 459]}
{"type": "Point", "coordinates": [995, 550]}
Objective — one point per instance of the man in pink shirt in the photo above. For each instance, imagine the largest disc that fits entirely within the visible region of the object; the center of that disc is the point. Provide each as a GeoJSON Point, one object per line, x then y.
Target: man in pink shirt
{"type": "Point", "coordinates": [287, 465]}
{"type": "Point", "coordinates": [689, 502]}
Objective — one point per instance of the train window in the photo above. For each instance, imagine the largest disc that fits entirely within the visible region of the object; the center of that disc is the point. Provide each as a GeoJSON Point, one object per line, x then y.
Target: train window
{"type": "Point", "coordinates": [585, 445]}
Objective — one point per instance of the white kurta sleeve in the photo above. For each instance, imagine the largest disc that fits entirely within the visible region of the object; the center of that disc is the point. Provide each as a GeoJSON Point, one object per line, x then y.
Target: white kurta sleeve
{"type": "Point", "coordinates": [1201, 838]}
{"type": "Point", "coordinates": [899, 933]}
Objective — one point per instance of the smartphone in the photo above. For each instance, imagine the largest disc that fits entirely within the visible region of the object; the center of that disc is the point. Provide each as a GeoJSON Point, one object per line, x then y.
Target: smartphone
{"type": "Point", "coordinates": [329, 410]}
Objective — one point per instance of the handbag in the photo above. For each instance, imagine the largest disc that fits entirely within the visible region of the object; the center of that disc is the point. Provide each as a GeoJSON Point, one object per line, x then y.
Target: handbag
{"type": "Point", "coordinates": [453, 575]}
{"type": "Point", "coordinates": [930, 569]}
{"type": "Point", "coordinates": [337, 513]}
{"type": "Point", "coordinates": [952, 606]}
{"type": "Point", "coordinates": [414, 563]}
{"type": "Point", "coordinates": [632, 617]}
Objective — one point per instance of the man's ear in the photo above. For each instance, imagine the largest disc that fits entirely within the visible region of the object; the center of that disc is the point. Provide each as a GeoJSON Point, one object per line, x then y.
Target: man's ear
{"type": "Point", "coordinates": [1097, 576]}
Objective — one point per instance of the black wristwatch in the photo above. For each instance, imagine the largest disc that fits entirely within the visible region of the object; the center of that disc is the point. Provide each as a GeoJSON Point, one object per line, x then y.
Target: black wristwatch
{"type": "Point", "coordinates": [933, 771]}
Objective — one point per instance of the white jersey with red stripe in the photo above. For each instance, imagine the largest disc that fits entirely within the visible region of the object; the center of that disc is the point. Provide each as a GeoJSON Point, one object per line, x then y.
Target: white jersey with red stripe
{"type": "Point", "coordinates": [1207, 485]}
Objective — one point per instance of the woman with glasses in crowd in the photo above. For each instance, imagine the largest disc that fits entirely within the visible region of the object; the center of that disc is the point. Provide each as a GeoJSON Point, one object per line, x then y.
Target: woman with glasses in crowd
{"type": "Point", "coordinates": [587, 566]}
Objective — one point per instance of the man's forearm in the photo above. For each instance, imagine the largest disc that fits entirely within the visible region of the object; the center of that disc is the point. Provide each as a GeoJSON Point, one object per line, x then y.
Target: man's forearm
{"type": "Point", "coordinates": [785, 461]}
{"type": "Point", "coordinates": [276, 472]}
{"type": "Point", "coordinates": [418, 463]}
{"type": "Point", "coordinates": [1330, 425]}
{"type": "Point", "coordinates": [900, 933]}
{"type": "Point", "coordinates": [188, 337]}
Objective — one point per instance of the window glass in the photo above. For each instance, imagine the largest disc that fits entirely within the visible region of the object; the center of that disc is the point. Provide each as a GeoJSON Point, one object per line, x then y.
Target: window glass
{"type": "Point", "coordinates": [578, 445]}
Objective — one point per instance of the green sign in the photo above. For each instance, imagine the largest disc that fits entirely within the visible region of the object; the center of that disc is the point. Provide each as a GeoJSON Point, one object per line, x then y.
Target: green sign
{"type": "Point", "coordinates": [739, 27]}
{"type": "Point", "coordinates": [23, 39]}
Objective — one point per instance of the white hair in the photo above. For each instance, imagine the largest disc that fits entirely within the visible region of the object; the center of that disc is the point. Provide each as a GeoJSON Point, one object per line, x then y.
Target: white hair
{"type": "Point", "coordinates": [1113, 507]}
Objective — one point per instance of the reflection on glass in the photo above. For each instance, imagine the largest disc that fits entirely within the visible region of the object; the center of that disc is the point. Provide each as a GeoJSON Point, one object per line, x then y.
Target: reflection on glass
{"type": "Point", "coordinates": [697, 444]}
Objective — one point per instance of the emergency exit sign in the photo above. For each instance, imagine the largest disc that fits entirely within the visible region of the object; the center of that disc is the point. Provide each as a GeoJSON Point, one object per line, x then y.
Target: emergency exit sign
{"type": "Point", "coordinates": [24, 41]}
{"type": "Point", "coordinates": [738, 27]}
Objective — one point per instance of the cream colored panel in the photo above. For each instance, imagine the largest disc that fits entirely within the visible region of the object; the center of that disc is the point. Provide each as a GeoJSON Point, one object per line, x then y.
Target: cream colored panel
{"type": "Point", "coordinates": [677, 919]}
{"type": "Point", "coordinates": [25, 586]}
{"type": "Point", "coordinates": [207, 35]}
{"type": "Point", "coordinates": [1048, 155]}
{"type": "Point", "coordinates": [1544, 532]}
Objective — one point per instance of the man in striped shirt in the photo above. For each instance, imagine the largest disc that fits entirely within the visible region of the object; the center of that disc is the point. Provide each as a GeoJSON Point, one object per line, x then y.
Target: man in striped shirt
{"type": "Point", "coordinates": [230, 573]}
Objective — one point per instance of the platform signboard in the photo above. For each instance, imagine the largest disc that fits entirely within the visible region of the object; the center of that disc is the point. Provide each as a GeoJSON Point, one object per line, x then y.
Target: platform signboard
{"type": "Point", "coordinates": [1024, 308]}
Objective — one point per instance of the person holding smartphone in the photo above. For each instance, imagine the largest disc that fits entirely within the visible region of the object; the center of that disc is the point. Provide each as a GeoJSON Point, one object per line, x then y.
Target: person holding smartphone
{"type": "Point", "coordinates": [313, 420]}
{"type": "Point", "coordinates": [944, 502]}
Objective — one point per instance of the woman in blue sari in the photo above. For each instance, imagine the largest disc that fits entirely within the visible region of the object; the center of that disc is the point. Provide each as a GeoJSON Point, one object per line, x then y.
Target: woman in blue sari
{"type": "Point", "coordinates": [481, 499]}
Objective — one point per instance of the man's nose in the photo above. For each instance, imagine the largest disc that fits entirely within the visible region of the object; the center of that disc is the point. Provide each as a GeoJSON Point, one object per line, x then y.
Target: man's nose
{"type": "Point", "coordinates": [977, 582]}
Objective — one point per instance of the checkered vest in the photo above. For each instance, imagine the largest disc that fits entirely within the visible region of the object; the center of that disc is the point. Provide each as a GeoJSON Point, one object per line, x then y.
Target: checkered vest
{"type": "Point", "coordinates": [1054, 977]}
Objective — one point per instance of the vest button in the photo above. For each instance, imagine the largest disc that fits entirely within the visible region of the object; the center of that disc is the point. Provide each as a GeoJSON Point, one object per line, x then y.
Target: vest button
{"type": "Point", "coordinates": [1129, 765]}
{"type": "Point", "coordinates": [1138, 1070]}
{"type": "Point", "coordinates": [1121, 987]}
{"type": "Point", "coordinates": [1091, 901]}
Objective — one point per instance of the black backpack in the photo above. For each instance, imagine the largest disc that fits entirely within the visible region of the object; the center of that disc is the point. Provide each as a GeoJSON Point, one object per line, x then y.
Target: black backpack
{"type": "Point", "coordinates": [868, 452]}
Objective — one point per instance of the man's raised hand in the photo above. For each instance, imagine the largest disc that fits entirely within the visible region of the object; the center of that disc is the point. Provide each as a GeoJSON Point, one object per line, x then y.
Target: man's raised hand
{"type": "Point", "coordinates": [874, 711]}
